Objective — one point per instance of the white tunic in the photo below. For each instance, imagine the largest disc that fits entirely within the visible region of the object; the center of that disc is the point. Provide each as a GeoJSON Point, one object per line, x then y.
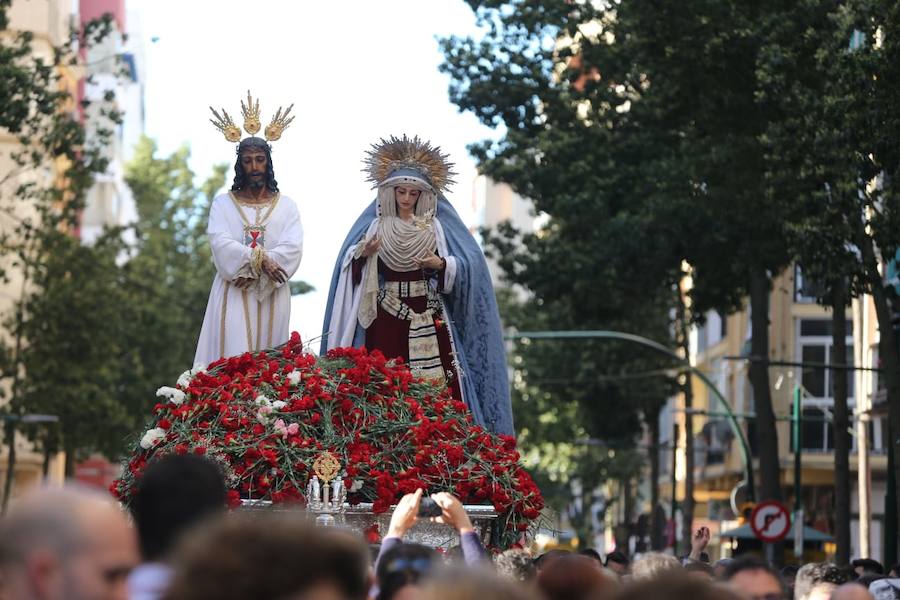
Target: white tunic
{"type": "Point", "coordinates": [252, 319]}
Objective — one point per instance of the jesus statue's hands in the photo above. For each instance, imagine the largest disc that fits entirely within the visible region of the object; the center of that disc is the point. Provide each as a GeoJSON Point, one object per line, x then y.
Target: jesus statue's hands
{"type": "Point", "coordinates": [274, 270]}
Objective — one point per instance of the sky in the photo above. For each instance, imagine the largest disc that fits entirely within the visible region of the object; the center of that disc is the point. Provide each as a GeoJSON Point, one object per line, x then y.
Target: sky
{"type": "Point", "coordinates": [355, 71]}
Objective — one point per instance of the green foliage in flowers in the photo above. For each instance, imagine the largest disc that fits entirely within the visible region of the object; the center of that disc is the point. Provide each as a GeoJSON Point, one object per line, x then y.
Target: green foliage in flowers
{"type": "Point", "coordinates": [265, 418]}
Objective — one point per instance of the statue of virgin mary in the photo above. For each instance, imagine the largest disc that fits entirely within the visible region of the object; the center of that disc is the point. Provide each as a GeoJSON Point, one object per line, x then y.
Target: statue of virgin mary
{"type": "Point", "coordinates": [412, 282]}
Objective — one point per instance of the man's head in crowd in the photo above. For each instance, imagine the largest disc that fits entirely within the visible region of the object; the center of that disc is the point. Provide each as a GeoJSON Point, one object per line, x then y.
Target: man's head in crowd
{"type": "Point", "coordinates": [867, 565]}
{"type": "Point", "coordinates": [654, 564]}
{"type": "Point", "coordinates": [754, 579]}
{"type": "Point", "coordinates": [458, 583]}
{"type": "Point", "coordinates": [269, 555]}
{"type": "Point", "coordinates": [591, 553]}
{"type": "Point", "coordinates": [699, 569]}
{"type": "Point", "coordinates": [402, 569]}
{"type": "Point", "coordinates": [816, 581]}
{"type": "Point", "coordinates": [547, 557]}
{"type": "Point", "coordinates": [617, 562]}
{"type": "Point", "coordinates": [66, 544]}
{"type": "Point", "coordinates": [515, 564]}
{"type": "Point", "coordinates": [675, 585]}
{"type": "Point", "coordinates": [174, 494]}
{"type": "Point", "coordinates": [721, 566]}
{"type": "Point", "coordinates": [851, 591]}
{"type": "Point", "coordinates": [575, 577]}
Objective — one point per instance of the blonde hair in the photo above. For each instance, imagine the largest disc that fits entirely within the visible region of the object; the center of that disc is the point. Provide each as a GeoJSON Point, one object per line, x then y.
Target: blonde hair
{"type": "Point", "coordinates": [654, 564]}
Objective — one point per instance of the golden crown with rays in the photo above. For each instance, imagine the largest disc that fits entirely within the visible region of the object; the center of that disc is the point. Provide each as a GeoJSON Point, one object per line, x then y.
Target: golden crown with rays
{"type": "Point", "coordinates": [394, 155]}
{"type": "Point", "coordinates": [250, 110]}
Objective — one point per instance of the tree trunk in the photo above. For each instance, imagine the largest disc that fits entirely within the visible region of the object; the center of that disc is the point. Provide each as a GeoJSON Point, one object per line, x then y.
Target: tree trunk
{"type": "Point", "coordinates": [15, 410]}
{"type": "Point", "coordinates": [10, 432]}
{"type": "Point", "coordinates": [687, 389]}
{"type": "Point", "coordinates": [887, 349]}
{"type": "Point", "coordinates": [629, 497]}
{"type": "Point", "coordinates": [842, 439]}
{"type": "Point", "coordinates": [656, 524]}
{"type": "Point", "coordinates": [766, 432]}
{"type": "Point", "coordinates": [69, 464]}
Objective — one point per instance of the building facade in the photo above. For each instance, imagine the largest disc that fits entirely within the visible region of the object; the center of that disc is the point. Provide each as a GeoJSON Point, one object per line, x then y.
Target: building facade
{"type": "Point", "coordinates": [800, 331]}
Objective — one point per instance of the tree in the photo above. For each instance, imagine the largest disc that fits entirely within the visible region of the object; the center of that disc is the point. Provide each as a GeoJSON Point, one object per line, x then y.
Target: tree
{"type": "Point", "coordinates": [637, 129]}
{"type": "Point", "coordinates": [579, 408]}
{"type": "Point", "coordinates": [72, 365]}
{"type": "Point", "coordinates": [140, 300]}
{"type": "Point", "coordinates": [36, 108]}
{"type": "Point", "coordinates": [828, 71]}
{"type": "Point", "coordinates": [169, 272]}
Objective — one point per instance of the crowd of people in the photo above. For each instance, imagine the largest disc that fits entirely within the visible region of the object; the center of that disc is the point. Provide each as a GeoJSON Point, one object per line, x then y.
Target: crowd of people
{"type": "Point", "coordinates": [177, 542]}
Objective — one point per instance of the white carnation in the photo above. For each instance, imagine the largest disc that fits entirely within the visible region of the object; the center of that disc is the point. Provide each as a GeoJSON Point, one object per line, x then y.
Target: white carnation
{"type": "Point", "coordinates": [184, 379]}
{"type": "Point", "coordinates": [198, 368]}
{"type": "Point", "coordinates": [279, 404]}
{"type": "Point", "coordinates": [174, 395]}
{"type": "Point", "coordinates": [261, 400]}
{"type": "Point", "coordinates": [294, 377]}
{"type": "Point", "coordinates": [152, 438]}
{"type": "Point", "coordinates": [357, 485]}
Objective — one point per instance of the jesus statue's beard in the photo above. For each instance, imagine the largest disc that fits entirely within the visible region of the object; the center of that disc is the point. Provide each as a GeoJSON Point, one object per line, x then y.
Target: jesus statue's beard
{"type": "Point", "coordinates": [256, 183]}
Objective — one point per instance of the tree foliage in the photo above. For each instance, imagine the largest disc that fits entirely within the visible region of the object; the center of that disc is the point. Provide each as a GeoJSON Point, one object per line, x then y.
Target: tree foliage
{"type": "Point", "coordinates": [108, 323]}
{"type": "Point", "coordinates": [41, 196]}
{"type": "Point", "coordinates": [830, 73]}
{"type": "Point", "coordinates": [169, 273]}
{"type": "Point", "coordinates": [731, 136]}
{"type": "Point", "coordinates": [94, 329]}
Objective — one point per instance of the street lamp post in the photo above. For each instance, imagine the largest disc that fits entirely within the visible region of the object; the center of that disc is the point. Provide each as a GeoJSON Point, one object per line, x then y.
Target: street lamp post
{"type": "Point", "coordinates": [798, 454]}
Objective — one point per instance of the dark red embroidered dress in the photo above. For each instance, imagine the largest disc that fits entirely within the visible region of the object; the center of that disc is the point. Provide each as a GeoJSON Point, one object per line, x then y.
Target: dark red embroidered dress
{"type": "Point", "coordinates": [390, 334]}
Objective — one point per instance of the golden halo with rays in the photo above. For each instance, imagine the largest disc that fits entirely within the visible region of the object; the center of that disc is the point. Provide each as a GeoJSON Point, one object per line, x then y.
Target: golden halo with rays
{"type": "Point", "coordinates": [273, 131]}
{"type": "Point", "coordinates": [394, 153]}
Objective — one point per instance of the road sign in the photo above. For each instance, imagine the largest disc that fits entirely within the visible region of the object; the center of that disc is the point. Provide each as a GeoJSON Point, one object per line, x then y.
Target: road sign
{"type": "Point", "coordinates": [770, 521]}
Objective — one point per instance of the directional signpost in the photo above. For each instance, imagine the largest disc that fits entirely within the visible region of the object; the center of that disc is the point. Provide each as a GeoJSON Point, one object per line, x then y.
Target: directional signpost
{"type": "Point", "coordinates": [770, 521]}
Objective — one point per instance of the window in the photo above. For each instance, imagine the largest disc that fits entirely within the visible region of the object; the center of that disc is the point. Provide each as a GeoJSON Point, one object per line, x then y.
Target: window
{"type": "Point", "coordinates": [818, 430]}
{"type": "Point", "coordinates": [712, 331]}
{"type": "Point", "coordinates": [805, 291]}
{"type": "Point", "coordinates": [716, 437]}
{"type": "Point", "coordinates": [814, 346]}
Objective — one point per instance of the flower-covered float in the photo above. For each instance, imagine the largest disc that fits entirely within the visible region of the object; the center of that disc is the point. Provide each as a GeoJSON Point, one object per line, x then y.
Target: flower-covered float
{"type": "Point", "coordinates": [265, 418]}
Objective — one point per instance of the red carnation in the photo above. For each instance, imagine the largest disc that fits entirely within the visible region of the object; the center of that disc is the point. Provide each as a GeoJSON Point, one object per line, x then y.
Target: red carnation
{"type": "Point", "coordinates": [392, 434]}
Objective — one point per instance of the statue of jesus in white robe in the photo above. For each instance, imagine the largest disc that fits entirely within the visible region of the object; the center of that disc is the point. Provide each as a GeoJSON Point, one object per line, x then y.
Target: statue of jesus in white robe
{"type": "Point", "coordinates": [257, 316]}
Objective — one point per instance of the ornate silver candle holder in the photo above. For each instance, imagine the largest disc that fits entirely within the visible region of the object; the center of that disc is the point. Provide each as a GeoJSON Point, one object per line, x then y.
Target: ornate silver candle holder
{"type": "Point", "coordinates": [325, 492]}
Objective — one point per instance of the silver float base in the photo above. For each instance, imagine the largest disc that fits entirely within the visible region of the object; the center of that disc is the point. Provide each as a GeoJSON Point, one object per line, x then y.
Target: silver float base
{"type": "Point", "coordinates": [360, 517]}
